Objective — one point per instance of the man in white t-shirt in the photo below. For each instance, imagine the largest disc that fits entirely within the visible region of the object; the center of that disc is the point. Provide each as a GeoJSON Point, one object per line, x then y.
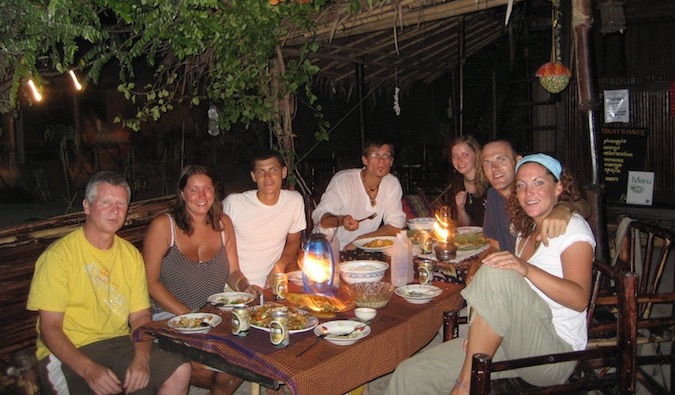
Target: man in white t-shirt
{"type": "Point", "coordinates": [355, 194]}
{"type": "Point", "coordinates": [268, 221]}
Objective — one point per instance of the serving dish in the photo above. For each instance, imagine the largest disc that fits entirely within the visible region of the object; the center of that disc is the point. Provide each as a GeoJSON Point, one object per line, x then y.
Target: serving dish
{"type": "Point", "coordinates": [194, 322]}
{"type": "Point", "coordinates": [360, 271]}
{"type": "Point", "coordinates": [375, 244]}
{"type": "Point", "coordinates": [342, 332]}
{"type": "Point", "coordinates": [418, 293]}
{"type": "Point", "coordinates": [421, 223]}
{"type": "Point", "coordinates": [298, 320]}
{"type": "Point", "coordinates": [227, 300]}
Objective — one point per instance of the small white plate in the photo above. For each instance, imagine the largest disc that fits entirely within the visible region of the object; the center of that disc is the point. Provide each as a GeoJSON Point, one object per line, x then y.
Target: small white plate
{"type": "Point", "coordinates": [339, 331]}
{"type": "Point", "coordinates": [421, 223]}
{"type": "Point", "coordinates": [418, 293]}
{"type": "Point", "coordinates": [192, 322]}
{"type": "Point", "coordinates": [295, 277]}
{"type": "Point", "coordinates": [230, 299]}
{"type": "Point", "coordinates": [361, 243]}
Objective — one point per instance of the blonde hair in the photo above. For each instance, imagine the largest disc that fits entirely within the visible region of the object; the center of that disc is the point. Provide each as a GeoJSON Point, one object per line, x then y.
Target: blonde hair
{"type": "Point", "coordinates": [481, 182]}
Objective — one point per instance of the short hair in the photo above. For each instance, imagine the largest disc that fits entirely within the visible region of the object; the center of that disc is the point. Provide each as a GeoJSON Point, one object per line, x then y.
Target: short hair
{"type": "Point", "coordinates": [179, 211]}
{"type": "Point", "coordinates": [268, 154]}
{"type": "Point", "coordinates": [108, 177]}
{"type": "Point", "coordinates": [508, 143]}
{"type": "Point", "coordinates": [377, 143]}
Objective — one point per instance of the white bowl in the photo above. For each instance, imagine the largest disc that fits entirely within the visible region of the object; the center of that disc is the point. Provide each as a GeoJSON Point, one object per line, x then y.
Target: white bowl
{"type": "Point", "coordinates": [343, 332]}
{"type": "Point", "coordinates": [421, 223]}
{"type": "Point", "coordinates": [353, 272]}
{"type": "Point", "coordinates": [418, 293]}
{"type": "Point", "coordinates": [365, 313]}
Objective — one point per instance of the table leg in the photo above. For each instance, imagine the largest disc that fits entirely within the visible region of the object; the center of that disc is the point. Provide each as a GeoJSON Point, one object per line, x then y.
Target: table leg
{"type": "Point", "coordinates": [255, 388]}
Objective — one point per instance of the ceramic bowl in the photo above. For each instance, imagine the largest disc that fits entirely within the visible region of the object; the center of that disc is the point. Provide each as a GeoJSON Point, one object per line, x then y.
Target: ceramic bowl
{"type": "Point", "coordinates": [365, 314]}
{"type": "Point", "coordinates": [353, 272]}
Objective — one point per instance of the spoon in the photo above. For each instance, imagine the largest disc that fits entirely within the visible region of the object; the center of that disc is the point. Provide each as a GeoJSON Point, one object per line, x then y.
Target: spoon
{"type": "Point", "coordinates": [324, 333]}
{"type": "Point", "coordinates": [371, 216]}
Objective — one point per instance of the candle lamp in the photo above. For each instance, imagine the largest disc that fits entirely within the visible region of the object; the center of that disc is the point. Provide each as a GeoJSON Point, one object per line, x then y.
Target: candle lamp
{"type": "Point", "coordinates": [444, 233]}
{"type": "Point", "coordinates": [318, 266]}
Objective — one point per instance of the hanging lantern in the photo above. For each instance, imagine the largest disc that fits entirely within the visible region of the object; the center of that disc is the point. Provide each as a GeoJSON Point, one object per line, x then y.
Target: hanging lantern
{"type": "Point", "coordinates": [554, 76]}
{"type": "Point", "coordinates": [318, 266]}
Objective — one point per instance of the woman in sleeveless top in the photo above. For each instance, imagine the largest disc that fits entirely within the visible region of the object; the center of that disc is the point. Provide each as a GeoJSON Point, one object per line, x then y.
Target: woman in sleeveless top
{"type": "Point", "coordinates": [469, 185]}
{"type": "Point", "coordinates": [190, 253]}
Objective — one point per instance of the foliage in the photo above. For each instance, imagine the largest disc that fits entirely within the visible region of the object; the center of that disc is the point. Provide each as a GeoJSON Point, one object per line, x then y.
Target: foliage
{"type": "Point", "coordinates": [220, 51]}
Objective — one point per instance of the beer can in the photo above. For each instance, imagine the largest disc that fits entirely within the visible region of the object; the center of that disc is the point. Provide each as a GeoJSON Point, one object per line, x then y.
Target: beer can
{"type": "Point", "coordinates": [279, 335]}
{"type": "Point", "coordinates": [241, 320]}
{"type": "Point", "coordinates": [280, 285]}
{"type": "Point", "coordinates": [426, 242]}
{"type": "Point", "coordinates": [425, 270]}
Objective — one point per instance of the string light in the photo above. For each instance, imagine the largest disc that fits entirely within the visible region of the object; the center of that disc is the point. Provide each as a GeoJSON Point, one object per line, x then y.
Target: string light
{"type": "Point", "coordinates": [76, 82]}
{"type": "Point", "coordinates": [36, 94]}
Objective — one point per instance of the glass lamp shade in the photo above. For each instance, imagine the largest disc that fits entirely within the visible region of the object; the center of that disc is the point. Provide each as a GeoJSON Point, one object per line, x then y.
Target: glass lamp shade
{"type": "Point", "coordinates": [318, 266]}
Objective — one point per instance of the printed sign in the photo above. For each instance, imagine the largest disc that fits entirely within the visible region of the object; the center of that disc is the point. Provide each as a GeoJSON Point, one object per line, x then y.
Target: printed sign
{"type": "Point", "coordinates": [617, 106]}
{"type": "Point", "coordinates": [640, 188]}
{"type": "Point", "coordinates": [623, 149]}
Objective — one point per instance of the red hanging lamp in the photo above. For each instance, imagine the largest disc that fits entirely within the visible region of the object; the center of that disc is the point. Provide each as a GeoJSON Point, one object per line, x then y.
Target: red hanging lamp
{"type": "Point", "coordinates": [554, 76]}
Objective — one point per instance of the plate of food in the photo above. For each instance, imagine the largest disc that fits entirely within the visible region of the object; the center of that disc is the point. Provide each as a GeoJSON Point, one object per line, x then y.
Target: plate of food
{"type": "Point", "coordinates": [470, 238]}
{"type": "Point", "coordinates": [375, 244]}
{"type": "Point", "coordinates": [298, 320]}
{"type": "Point", "coordinates": [421, 223]}
{"type": "Point", "coordinates": [342, 332]}
{"type": "Point", "coordinates": [227, 300]}
{"type": "Point", "coordinates": [418, 293]}
{"type": "Point", "coordinates": [194, 322]}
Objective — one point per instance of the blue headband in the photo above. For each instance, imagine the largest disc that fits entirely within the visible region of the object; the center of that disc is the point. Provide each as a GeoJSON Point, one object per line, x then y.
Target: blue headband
{"type": "Point", "coordinates": [547, 161]}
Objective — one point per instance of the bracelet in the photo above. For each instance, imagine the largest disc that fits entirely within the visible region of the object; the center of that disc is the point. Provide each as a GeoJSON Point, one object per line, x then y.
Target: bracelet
{"type": "Point", "coordinates": [457, 382]}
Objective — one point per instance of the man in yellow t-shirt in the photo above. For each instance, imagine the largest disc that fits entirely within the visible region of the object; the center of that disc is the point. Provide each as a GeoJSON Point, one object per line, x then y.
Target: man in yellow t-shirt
{"type": "Point", "coordinates": [90, 291]}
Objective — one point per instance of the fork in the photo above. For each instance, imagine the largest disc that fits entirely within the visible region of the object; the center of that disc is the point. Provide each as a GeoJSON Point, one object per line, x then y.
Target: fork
{"type": "Point", "coordinates": [371, 216]}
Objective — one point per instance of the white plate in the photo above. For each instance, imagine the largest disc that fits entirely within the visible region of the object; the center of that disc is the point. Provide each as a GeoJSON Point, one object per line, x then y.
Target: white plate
{"type": "Point", "coordinates": [312, 321]}
{"type": "Point", "coordinates": [421, 223]}
{"type": "Point", "coordinates": [340, 328]}
{"type": "Point", "coordinates": [418, 293]}
{"type": "Point", "coordinates": [194, 319]}
{"type": "Point", "coordinates": [469, 229]}
{"type": "Point", "coordinates": [295, 277]}
{"type": "Point", "coordinates": [230, 299]}
{"type": "Point", "coordinates": [361, 243]}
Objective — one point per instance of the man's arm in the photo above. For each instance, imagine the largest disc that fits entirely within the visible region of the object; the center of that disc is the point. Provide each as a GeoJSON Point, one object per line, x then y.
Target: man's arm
{"type": "Point", "coordinates": [138, 373]}
{"type": "Point", "coordinates": [556, 221]}
{"type": "Point", "coordinates": [288, 255]}
{"type": "Point", "coordinates": [99, 378]}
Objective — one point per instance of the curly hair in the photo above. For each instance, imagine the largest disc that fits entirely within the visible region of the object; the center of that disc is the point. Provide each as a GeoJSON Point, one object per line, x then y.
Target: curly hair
{"type": "Point", "coordinates": [481, 182]}
{"type": "Point", "coordinates": [179, 211]}
{"type": "Point", "coordinates": [524, 224]}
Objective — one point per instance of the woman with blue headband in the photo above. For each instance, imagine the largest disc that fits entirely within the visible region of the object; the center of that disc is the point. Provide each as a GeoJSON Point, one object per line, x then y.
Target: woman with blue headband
{"type": "Point", "coordinates": [530, 302]}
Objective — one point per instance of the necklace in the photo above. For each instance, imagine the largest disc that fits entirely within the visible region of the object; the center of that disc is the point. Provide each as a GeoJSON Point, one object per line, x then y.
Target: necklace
{"type": "Point", "coordinates": [370, 191]}
{"type": "Point", "coordinates": [470, 181]}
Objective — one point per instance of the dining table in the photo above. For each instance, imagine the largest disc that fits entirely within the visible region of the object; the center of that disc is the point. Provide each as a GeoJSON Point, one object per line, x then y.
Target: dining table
{"type": "Point", "coordinates": [399, 330]}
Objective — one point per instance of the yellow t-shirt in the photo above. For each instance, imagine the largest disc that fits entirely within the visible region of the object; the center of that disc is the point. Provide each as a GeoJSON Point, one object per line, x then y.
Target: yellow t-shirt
{"type": "Point", "coordinates": [95, 289]}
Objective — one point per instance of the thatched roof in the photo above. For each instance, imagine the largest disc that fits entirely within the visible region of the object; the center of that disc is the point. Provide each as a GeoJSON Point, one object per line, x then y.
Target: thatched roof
{"type": "Point", "coordinates": [400, 41]}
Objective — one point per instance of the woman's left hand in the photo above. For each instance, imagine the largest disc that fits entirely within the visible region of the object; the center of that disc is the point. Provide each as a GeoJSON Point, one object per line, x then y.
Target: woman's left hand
{"type": "Point", "coordinates": [506, 260]}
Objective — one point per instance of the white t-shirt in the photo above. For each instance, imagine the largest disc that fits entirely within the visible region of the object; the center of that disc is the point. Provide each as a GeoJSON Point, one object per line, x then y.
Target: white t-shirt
{"type": "Point", "coordinates": [569, 324]}
{"type": "Point", "coordinates": [346, 195]}
{"type": "Point", "coordinates": [261, 230]}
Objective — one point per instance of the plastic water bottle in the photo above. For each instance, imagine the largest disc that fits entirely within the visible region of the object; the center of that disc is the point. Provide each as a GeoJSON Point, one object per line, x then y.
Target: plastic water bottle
{"type": "Point", "coordinates": [399, 260]}
{"type": "Point", "coordinates": [409, 255]}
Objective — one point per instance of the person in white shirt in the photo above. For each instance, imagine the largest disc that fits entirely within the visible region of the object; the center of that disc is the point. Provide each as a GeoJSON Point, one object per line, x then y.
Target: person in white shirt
{"type": "Point", "coordinates": [355, 194]}
{"type": "Point", "coordinates": [268, 221]}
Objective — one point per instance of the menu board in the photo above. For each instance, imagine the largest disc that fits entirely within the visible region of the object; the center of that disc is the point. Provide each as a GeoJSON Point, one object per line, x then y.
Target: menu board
{"type": "Point", "coordinates": [623, 149]}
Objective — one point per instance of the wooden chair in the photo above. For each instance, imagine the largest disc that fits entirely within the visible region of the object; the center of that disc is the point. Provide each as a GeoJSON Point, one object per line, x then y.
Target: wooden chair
{"type": "Point", "coordinates": [591, 369]}
{"type": "Point", "coordinates": [645, 249]}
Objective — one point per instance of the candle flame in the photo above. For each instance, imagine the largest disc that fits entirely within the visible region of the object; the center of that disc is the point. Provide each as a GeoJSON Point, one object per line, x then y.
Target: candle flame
{"type": "Point", "coordinates": [440, 232]}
